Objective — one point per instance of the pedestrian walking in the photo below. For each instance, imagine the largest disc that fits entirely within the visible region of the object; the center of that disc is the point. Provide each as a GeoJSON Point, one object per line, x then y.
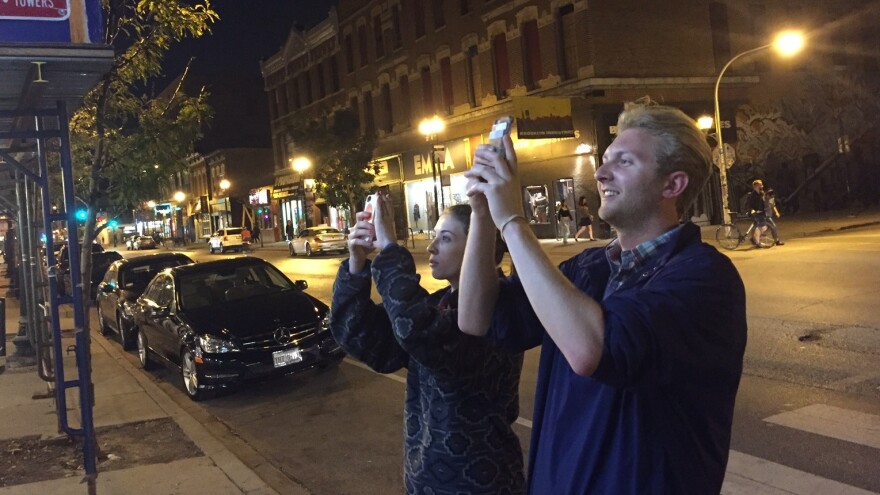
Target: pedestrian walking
{"type": "Point", "coordinates": [461, 392]}
{"type": "Point", "coordinates": [642, 341]}
{"type": "Point", "coordinates": [771, 213]}
{"type": "Point", "coordinates": [288, 230]}
{"type": "Point", "coordinates": [255, 235]}
{"type": "Point", "coordinates": [563, 219]}
{"type": "Point", "coordinates": [585, 222]}
{"type": "Point", "coordinates": [757, 209]}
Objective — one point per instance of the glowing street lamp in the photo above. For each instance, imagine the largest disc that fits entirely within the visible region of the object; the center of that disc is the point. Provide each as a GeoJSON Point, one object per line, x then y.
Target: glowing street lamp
{"type": "Point", "coordinates": [224, 186]}
{"type": "Point", "coordinates": [430, 128]}
{"type": "Point", "coordinates": [300, 164]}
{"type": "Point", "coordinates": [786, 44]}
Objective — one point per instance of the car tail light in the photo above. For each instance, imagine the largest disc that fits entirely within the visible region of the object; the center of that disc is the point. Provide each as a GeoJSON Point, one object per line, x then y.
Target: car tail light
{"type": "Point", "coordinates": [224, 238]}
{"type": "Point", "coordinates": [318, 239]}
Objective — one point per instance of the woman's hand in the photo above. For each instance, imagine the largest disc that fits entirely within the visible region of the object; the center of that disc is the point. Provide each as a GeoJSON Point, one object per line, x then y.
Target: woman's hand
{"type": "Point", "coordinates": [360, 242]}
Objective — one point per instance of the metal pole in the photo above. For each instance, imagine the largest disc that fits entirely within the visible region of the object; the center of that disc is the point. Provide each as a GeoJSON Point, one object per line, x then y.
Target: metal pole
{"type": "Point", "coordinates": [722, 159]}
{"type": "Point", "coordinates": [23, 347]}
{"type": "Point", "coordinates": [434, 177]}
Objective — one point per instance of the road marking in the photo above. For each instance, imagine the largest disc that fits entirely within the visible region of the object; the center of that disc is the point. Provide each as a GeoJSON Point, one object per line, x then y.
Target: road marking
{"type": "Point", "coordinates": [835, 422]}
{"type": "Point", "coordinates": [749, 475]}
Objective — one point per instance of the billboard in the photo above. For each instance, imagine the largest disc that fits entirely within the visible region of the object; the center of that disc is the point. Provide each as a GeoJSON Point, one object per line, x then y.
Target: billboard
{"type": "Point", "coordinates": [539, 117]}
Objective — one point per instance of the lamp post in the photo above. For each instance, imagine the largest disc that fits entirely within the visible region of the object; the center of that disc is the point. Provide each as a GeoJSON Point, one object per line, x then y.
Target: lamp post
{"type": "Point", "coordinates": [787, 44]}
{"type": "Point", "coordinates": [176, 218]}
{"type": "Point", "coordinates": [224, 186]}
{"type": "Point", "coordinates": [430, 128]}
{"type": "Point", "coordinates": [300, 164]}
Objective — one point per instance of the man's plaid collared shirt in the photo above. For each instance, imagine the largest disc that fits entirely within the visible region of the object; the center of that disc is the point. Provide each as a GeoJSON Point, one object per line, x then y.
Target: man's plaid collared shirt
{"type": "Point", "coordinates": [626, 264]}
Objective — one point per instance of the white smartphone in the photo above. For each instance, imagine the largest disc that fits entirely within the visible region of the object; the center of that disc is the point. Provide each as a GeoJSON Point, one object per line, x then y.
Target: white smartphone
{"type": "Point", "coordinates": [370, 206]}
{"type": "Point", "coordinates": [500, 128]}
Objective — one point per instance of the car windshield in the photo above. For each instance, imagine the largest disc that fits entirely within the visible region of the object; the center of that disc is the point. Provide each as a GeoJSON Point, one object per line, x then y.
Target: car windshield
{"type": "Point", "coordinates": [201, 290]}
{"type": "Point", "coordinates": [135, 279]}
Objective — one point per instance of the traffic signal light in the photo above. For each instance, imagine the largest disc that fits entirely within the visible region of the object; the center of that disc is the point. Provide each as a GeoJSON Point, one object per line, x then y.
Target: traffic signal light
{"type": "Point", "coordinates": [82, 214]}
{"type": "Point", "coordinates": [113, 224]}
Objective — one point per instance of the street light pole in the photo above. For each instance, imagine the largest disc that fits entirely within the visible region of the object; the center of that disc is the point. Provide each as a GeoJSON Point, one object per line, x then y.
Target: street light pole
{"type": "Point", "coordinates": [300, 164]}
{"type": "Point", "coordinates": [786, 43]}
{"type": "Point", "coordinates": [430, 128]}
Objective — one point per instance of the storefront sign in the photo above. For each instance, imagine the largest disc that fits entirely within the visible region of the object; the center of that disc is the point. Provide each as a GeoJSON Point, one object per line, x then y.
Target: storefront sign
{"type": "Point", "coordinates": [259, 197]}
{"type": "Point", "coordinates": [35, 10]}
{"type": "Point", "coordinates": [286, 185]}
{"type": "Point", "coordinates": [540, 117]}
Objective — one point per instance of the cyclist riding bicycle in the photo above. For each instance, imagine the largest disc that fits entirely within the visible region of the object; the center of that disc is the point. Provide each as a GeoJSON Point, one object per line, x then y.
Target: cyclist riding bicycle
{"type": "Point", "coordinates": [755, 207]}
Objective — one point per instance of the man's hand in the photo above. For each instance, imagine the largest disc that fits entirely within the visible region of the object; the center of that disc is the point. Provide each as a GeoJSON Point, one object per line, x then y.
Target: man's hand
{"type": "Point", "coordinates": [495, 178]}
{"type": "Point", "coordinates": [360, 242]}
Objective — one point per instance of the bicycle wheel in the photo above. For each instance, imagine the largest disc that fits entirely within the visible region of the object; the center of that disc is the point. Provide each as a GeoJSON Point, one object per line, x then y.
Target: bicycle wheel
{"type": "Point", "coordinates": [766, 240]}
{"type": "Point", "coordinates": [728, 236]}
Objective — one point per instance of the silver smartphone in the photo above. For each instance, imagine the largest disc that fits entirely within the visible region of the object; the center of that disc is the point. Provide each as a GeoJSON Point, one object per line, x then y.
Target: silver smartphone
{"type": "Point", "coordinates": [500, 128]}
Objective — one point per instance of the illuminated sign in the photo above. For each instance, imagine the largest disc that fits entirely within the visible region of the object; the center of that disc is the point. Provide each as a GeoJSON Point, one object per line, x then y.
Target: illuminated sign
{"type": "Point", "coordinates": [260, 197]}
{"type": "Point", "coordinates": [35, 10]}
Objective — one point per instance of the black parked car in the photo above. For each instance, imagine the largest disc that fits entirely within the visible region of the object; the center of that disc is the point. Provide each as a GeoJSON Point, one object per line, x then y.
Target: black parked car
{"type": "Point", "coordinates": [226, 321]}
{"type": "Point", "coordinates": [123, 283]}
{"type": "Point", "coordinates": [101, 260]}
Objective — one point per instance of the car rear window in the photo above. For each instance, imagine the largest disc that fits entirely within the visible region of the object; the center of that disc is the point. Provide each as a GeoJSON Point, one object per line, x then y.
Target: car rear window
{"type": "Point", "coordinates": [233, 231]}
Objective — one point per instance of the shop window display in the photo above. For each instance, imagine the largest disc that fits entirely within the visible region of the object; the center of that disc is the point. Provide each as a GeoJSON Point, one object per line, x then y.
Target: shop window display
{"type": "Point", "coordinates": [536, 204]}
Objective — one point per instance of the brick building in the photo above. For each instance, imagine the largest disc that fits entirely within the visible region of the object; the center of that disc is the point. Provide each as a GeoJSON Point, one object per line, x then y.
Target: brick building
{"type": "Point", "coordinates": [397, 62]}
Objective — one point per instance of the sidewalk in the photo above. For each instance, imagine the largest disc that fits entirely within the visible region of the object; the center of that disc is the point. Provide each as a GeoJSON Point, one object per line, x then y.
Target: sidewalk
{"type": "Point", "coordinates": [191, 460]}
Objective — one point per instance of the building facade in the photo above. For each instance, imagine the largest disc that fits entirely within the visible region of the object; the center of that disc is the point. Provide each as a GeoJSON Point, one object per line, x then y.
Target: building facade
{"type": "Point", "coordinates": [397, 62]}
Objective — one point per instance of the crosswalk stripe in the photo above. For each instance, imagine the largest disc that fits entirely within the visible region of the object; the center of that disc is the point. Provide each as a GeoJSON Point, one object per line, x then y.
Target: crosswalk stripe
{"type": "Point", "coordinates": [749, 475]}
{"type": "Point", "coordinates": [835, 422]}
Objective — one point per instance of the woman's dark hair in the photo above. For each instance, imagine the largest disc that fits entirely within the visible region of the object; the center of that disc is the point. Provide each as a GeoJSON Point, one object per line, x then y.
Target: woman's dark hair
{"type": "Point", "coordinates": [462, 213]}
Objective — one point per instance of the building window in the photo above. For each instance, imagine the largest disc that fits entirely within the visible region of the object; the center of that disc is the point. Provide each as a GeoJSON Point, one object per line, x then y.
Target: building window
{"type": "Point", "coordinates": [387, 110]}
{"type": "Point", "coordinates": [470, 78]}
{"type": "Point", "coordinates": [362, 40]}
{"type": "Point", "coordinates": [501, 65]}
{"type": "Point", "coordinates": [419, 14]}
{"type": "Point", "coordinates": [369, 115]}
{"type": "Point", "coordinates": [464, 7]}
{"type": "Point", "coordinates": [307, 88]}
{"type": "Point", "coordinates": [355, 108]}
{"type": "Point", "coordinates": [439, 16]}
{"type": "Point", "coordinates": [273, 104]}
{"type": "Point", "coordinates": [349, 54]}
{"type": "Point", "coordinates": [403, 82]}
{"type": "Point", "coordinates": [395, 26]}
{"type": "Point", "coordinates": [282, 102]}
{"type": "Point", "coordinates": [334, 73]}
{"type": "Point", "coordinates": [377, 33]}
{"type": "Point", "coordinates": [446, 79]}
{"type": "Point", "coordinates": [720, 33]}
{"type": "Point", "coordinates": [427, 90]}
{"type": "Point", "coordinates": [532, 70]}
{"type": "Point", "coordinates": [319, 78]}
{"type": "Point", "coordinates": [292, 95]}
{"type": "Point", "coordinates": [567, 42]}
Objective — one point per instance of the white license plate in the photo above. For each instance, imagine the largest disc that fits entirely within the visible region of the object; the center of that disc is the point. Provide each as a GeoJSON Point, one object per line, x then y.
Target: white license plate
{"type": "Point", "coordinates": [283, 358]}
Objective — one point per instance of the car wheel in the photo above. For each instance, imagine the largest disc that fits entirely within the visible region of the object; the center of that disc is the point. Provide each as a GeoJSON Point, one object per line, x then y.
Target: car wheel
{"type": "Point", "coordinates": [190, 373]}
{"type": "Point", "coordinates": [143, 352]}
{"type": "Point", "coordinates": [102, 325]}
{"type": "Point", "coordinates": [124, 334]}
{"type": "Point", "coordinates": [308, 250]}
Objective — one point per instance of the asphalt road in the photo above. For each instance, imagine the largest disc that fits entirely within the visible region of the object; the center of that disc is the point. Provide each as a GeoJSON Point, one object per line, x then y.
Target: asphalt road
{"type": "Point", "coordinates": [808, 407]}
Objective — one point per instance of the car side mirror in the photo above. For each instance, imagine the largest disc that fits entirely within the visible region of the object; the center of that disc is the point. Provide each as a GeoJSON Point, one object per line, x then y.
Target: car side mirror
{"type": "Point", "coordinates": [159, 312]}
{"type": "Point", "coordinates": [301, 284]}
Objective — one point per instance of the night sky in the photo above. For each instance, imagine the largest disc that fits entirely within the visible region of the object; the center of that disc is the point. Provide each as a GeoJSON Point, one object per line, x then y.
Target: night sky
{"type": "Point", "coordinates": [227, 63]}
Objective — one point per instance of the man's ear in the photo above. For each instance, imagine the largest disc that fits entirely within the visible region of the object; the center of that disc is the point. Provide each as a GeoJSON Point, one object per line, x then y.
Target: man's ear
{"type": "Point", "coordinates": [675, 185]}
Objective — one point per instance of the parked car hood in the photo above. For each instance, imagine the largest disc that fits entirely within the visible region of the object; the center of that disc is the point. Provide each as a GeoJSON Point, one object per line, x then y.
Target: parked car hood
{"type": "Point", "coordinates": [247, 317]}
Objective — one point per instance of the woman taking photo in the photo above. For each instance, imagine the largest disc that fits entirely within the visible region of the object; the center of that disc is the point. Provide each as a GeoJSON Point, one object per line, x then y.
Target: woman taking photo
{"type": "Point", "coordinates": [461, 392]}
